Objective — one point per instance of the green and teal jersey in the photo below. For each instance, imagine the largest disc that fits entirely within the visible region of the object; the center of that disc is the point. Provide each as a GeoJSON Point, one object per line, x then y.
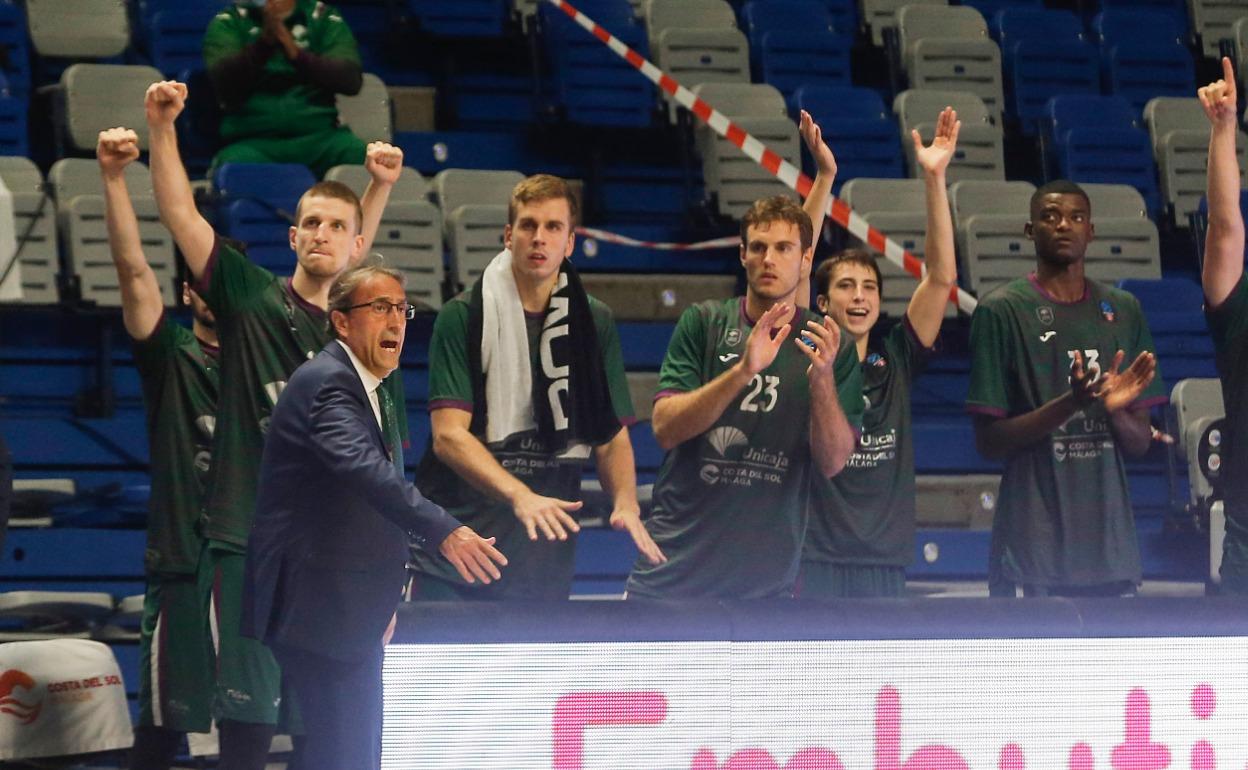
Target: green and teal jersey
{"type": "Point", "coordinates": [1063, 515]}
{"type": "Point", "coordinates": [179, 377]}
{"type": "Point", "coordinates": [266, 331]}
{"type": "Point", "coordinates": [536, 569]}
{"type": "Point", "coordinates": [730, 506]}
{"type": "Point", "coordinates": [865, 514]}
{"type": "Point", "coordinates": [282, 104]}
{"type": "Point", "coordinates": [1228, 325]}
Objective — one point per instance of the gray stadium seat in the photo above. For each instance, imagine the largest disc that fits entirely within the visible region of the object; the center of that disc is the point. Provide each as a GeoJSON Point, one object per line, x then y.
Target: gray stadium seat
{"type": "Point", "coordinates": [1239, 35]}
{"type": "Point", "coordinates": [948, 48]}
{"type": "Point", "coordinates": [879, 15]}
{"type": "Point", "coordinates": [410, 187]}
{"type": "Point", "coordinates": [655, 297]}
{"type": "Point", "coordinates": [367, 113]}
{"type": "Point", "coordinates": [80, 29]}
{"type": "Point", "coordinates": [641, 389]}
{"type": "Point", "coordinates": [1194, 404]}
{"type": "Point", "coordinates": [1213, 21]}
{"type": "Point", "coordinates": [10, 268]}
{"type": "Point", "coordinates": [53, 614]}
{"type": "Point", "coordinates": [80, 204]}
{"type": "Point", "coordinates": [410, 236]}
{"type": "Point", "coordinates": [988, 224]}
{"type": "Point", "coordinates": [730, 175]}
{"type": "Point", "coordinates": [897, 208]}
{"type": "Point", "coordinates": [696, 41]}
{"type": "Point", "coordinates": [34, 213]}
{"type": "Point", "coordinates": [1126, 243]}
{"type": "Point", "coordinates": [661, 15]}
{"type": "Point", "coordinates": [474, 235]}
{"type": "Point", "coordinates": [93, 97]}
{"type": "Point", "coordinates": [1180, 135]}
{"type": "Point", "coordinates": [474, 212]}
{"type": "Point", "coordinates": [981, 146]}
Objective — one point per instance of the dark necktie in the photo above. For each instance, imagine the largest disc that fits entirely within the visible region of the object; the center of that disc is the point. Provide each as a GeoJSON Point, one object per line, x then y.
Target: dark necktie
{"type": "Point", "coordinates": [390, 426]}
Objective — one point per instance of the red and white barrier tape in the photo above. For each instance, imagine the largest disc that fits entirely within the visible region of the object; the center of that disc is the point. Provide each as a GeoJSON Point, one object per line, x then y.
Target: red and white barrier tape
{"type": "Point", "coordinates": [624, 240]}
{"type": "Point", "coordinates": [786, 172]}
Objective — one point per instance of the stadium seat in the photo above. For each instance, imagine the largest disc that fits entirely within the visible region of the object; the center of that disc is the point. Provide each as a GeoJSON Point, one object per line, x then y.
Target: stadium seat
{"type": "Point", "coordinates": [980, 151]}
{"type": "Point", "coordinates": [948, 48]}
{"type": "Point", "coordinates": [697, 41]}
{"type": "Point", "coordinates": [78, 29]}
{"type": "Point", "coordinates": [1180, 137]}
{"type": "Point", "coordinates": [462, 18]}
{"type": "Point", "coordinates": [1097, 139]}
{"type": "Point", "coordinates": [879, 15]}
{"type": "Point", "coordinates": [592, 85]}
{"type": "Point", "coordinates": [34, 213]}
{"type": "Point", "coordinates": [410, 234]}
{"type": "Point", "coordinates": [896, 207]}
{"type": "Point", "coordinates": [1142, 55]}
{"type": "Point", "coordinates": [732, 178]}
{"type": "Point", "coordinates": [990, 8]}
{"type": "Point", "coordinates": [988, 220]}
{"type": "Point", "coordinates": [1044, 54]}
{"type": "Point", "coordinates": [13, 38]}
{"type": "Point", "coordinates": [145, 12]}
{"type": "Point", "coordinates": [788, 59]}
{"type": "Point", "coordinates": [1126, 245]}
{"type": "Point", "coordinates": [175, 39]}
{"type": "Point", "coordinates": [93, 97]}
{"type": "Point", "coordinates": [75, 183]}
{"type": "Point", "coordinates": [857, 128]}
{"type": "Point", "coordinates": [474, 212]}
{"type": "Point", "coordinates": [13, 126]}
{"type": "Point", "coordinates": [1213, 22]}
{"type": "Point", "coordinates": [367, 113]}
{"type": "Point", "coordinates": [655, 297]}
{"type": "Point", "coordinates": [661, 15]}
{"type": "Point", "coordinates": [793, 41]}
{"type": "Point", "coordinates": [256, 205]}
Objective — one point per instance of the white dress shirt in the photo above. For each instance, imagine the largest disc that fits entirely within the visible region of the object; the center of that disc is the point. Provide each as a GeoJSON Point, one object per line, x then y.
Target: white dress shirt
{"type": "Point", "coordinates": [370, 382]}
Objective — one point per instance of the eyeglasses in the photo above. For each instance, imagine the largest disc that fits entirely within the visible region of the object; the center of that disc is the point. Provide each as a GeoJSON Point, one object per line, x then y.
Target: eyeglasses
{"type": "Point", "coordinates": [381, 307]}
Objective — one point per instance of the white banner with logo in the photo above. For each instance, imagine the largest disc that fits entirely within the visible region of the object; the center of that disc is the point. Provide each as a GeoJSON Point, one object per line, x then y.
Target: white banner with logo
{"type": "Point", "coordinates": [61, 697]}
{"type": "Point", "coordinates": [976, 704]}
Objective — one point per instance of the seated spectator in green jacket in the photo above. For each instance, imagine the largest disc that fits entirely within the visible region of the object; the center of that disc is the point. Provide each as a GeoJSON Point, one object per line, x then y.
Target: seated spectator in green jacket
{"type": "Point", "coordinates": [276, 66]}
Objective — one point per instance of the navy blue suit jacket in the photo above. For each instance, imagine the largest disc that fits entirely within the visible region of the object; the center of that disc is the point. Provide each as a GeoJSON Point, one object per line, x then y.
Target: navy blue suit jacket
{"type": "Point", "coordinates": [328, 547]}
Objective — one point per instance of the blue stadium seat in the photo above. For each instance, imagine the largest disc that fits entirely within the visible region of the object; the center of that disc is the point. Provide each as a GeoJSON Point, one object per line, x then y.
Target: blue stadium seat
{"type": "Point", "coordinates": [1142, 56]}
{"type": "Point", "coordinates": [643, 345]}
{"type": "Point", "coordinates": [1044, 54]}
{"type": "Point", "coordinates": [788, 59]}
{"type": "Point", "coordinates": [176, 39]}
{"type": "Point", "coordinates": [146, 11]}
{"type": "Point", "coordinates": [16, 45]}
{"type": "Point", "coordinates": [856, 126]}
{"type": "Point", "coordinates": [1174, 308]}
{"type": "Point", "coordinates": [1176, 9]}
{"type": "Point", "coordinates": [591, 84]}
{"type": "Point", "coordinates": [432, 151]}
{"type": "Point", "coordinates": [990, 8]}
{"type": "Point", "coordinates": [256, 203]}
{"type": "Point", "coordinates": [461, 18]}
{"type": "Point", "coordinates": [787, 36]}
{"type": "Point", "coordinates": [844, 14]}
{"type": "Point", "coordinates": [1090, 138]}
{"type": "Point", "coordinates": [13, 135]}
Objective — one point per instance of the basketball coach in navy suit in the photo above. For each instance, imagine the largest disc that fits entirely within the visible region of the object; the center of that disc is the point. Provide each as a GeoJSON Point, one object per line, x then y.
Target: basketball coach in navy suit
{"type": "Point", "coordinates": [328, 548]}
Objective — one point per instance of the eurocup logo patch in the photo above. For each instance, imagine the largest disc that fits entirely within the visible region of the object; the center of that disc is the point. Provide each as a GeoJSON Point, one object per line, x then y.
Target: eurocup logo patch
{"type": "Point", "coordinates": [1107, 311]}
{"type": "Point", "coordinates": [9, 704]}
{"type": "Point", "coordinates": [732, 337]}
{"type": "Point", "coordinates": [1045, 314]}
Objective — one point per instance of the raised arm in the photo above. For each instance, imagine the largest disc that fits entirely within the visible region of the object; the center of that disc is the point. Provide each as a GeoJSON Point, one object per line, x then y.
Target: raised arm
{"type": "Point", "coordinates": [141, 306]}
{"type": "Point", "coordinates": [384, 163]}
{"type": "Point", "coordinates": [927, 306]}
{"type": "Point", "coordinates": [682, 416]}
{"type": "Point", "coordinates": [1224, 241]}
{"type": "Point", "coordinates": [817, 200]}
{"type": "Point", "coordinates": [163, 103]}
{"type": "Point", "coordinates": [456, 446]}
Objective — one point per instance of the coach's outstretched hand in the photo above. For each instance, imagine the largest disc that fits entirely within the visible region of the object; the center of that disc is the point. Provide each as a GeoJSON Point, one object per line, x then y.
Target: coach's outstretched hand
{"type": "Point", "coordinates": [474, 557]}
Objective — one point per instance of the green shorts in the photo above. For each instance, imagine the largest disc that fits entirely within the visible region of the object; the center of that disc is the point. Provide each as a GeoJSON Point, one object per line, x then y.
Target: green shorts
{"type": "Point", "coordinates": [249, 681]}
{"type": "Point", "coordinates": [830, 580]}
{"type": "Point", "coordinates": [175, 656]}
{"type": "Point", "coordinates": [319, 151]}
